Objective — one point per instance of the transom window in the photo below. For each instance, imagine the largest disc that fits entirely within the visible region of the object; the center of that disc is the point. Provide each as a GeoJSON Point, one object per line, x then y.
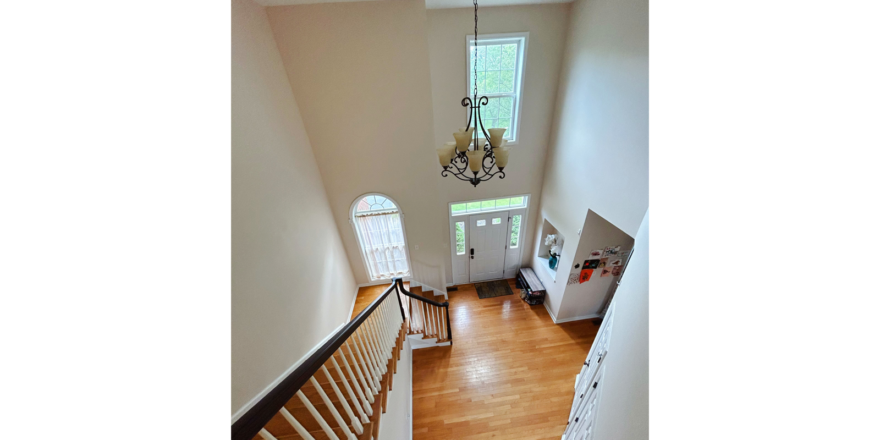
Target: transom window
{"type": "Point", "coordinates": [379, 227]}
{"type": "Point", "coordinates": [489, 205]}
{"type": "Point", "coordinates": [375, 203]}
{"type": "Point", "coordinates": [500, 62]}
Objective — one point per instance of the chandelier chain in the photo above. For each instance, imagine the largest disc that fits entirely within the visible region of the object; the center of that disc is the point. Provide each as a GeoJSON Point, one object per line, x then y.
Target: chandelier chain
{"type": "Point", "coordinates": [476, 48]}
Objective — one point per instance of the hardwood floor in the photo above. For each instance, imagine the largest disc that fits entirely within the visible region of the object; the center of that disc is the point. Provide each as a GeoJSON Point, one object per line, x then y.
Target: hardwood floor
{"type": "Point", "coordinates": [509, 373]}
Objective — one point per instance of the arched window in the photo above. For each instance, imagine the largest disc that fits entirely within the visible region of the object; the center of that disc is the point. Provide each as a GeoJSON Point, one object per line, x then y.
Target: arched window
{"type": "Point", "coordinates": [378, 223]}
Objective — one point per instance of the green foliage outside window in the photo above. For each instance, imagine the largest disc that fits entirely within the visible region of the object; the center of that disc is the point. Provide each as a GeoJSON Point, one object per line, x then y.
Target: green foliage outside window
{"type": "Point", "coordinates": [459, 238]}
{"type": "Point", "coordinates": [514, 233]}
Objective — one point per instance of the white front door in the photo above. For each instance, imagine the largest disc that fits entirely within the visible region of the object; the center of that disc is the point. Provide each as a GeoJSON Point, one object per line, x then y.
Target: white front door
{"type": "Point", "coordinates": [488, 243]}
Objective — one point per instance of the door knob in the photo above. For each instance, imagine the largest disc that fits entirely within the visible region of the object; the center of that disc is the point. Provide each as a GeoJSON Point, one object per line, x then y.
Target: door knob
{"type": "Point", "coordinates": [472, 253]}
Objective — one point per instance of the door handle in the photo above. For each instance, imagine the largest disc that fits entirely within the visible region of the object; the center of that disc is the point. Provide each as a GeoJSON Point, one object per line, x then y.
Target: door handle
{"type": "Point", "coordinates": [472, 253]}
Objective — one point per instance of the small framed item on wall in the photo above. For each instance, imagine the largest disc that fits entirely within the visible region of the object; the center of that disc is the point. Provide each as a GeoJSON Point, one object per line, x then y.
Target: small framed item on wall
{"type": "Point", "coordinates": [585, 275]}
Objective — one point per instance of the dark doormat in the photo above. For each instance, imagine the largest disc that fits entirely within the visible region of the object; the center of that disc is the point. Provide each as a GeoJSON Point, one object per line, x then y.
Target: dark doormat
{"type": "Point", "coordinates": [492, 289]}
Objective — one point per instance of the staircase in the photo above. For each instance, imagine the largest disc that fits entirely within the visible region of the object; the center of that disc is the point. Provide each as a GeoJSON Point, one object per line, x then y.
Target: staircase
{"type": "Point", "coordinates": [341, 391]}
{"type": "Point", "coordinates": [427, 320]}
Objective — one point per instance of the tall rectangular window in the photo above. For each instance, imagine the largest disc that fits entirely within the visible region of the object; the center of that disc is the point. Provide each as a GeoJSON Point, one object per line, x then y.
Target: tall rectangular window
{"type": "Point", "coordinates": [514, 231]}
{"type": "Point", "coordinates": [500, 62]}
{"type": "Point", "coordinates": [459, 238]}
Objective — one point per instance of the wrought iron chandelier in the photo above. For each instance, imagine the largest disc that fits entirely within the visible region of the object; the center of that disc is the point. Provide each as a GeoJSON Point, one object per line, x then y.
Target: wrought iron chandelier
{"type": "Point", "coordinates": [456, 158]}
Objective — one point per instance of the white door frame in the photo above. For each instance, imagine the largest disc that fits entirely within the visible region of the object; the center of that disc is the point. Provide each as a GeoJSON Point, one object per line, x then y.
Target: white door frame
{"type": "Point", "coordinates": [466, 276]}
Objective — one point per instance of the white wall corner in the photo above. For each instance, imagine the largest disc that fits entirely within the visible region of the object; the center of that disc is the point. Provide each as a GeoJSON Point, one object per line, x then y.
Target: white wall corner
{"type": "Point", "coordinates": [575, 318]}
{"type": "Point", "coordinates": [552, 316]}
{"type": "Point", "coordinates": [351, 309]}
{"type": "Point", "coordinates": [579, 318]}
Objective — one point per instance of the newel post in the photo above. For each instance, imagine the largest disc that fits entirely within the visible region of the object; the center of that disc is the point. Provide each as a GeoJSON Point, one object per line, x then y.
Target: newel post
{"type": "Point", "coordinates": [398, 284]}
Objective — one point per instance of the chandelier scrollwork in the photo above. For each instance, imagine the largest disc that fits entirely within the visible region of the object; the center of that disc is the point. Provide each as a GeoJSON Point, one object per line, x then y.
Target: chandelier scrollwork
{"type": "Point", "coordinates": [489, 154]}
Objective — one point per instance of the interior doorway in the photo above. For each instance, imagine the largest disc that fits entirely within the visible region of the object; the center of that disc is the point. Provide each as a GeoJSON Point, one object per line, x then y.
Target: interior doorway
{"type": "Point", "coordinates": [487, 237]}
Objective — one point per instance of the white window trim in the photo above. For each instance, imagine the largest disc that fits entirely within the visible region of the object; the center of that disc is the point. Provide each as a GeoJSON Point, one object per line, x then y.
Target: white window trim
{"type": "Point", "coordinates": [521, 39]}
{"type": "Point", "coordinates": [351, 215]}
{"type": "Point", "coordinates": [523, 210]}
{"type": "Point", "coordinates": [526, 198]}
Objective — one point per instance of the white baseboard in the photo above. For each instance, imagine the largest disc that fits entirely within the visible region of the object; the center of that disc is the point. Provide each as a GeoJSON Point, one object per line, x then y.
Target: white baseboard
{"type": "Point", "coordinates": [380, 282]}
{"type": "Point", "coordinates": [284, 375]}
{"type": "Point", "coordinates": [353, 300]}
{"type": "Point", "coordinates": [576, 318]}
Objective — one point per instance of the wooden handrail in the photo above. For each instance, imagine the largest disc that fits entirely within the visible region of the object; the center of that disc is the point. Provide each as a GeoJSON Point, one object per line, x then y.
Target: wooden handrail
{"type": "Point", "coordinates": [420, 298]}
{"type": "Point", "coordinates": [399, 283]}
{"type": "Point", "coordinates": [246, 427]}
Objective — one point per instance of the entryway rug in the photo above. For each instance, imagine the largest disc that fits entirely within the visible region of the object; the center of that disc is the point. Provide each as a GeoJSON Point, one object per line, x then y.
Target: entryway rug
{"type": "Point", "coordinates": [492, 289]}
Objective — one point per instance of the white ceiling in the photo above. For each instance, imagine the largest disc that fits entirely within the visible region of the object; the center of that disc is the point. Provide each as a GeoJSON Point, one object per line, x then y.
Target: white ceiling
{"type": "Point", "coordinates": [430, 4]}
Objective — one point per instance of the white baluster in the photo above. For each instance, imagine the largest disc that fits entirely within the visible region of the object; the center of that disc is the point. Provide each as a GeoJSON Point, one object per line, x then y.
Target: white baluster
{"type": "Point", "coordinates": [368, 386]}
{"type": "Point", "coordinates": [265, 434]}
{"type": "Point", "coordinates": [431, 319]}
{"type": "Point", "coordinates": [392, 325]}
{"type": "Point", "coordinates": [371, 341]}
{"type": "Point", "coordinates": [367, 360]}
{"type": "Point", "coordinates": [364, 339]}
{"type": "Point", "coordinates": [379, 333]}
{"type": "Point", "coordinates": [358, 428]}
{"type": "Point", "coordinates": [339, 420]}
{"type": "Point", "coordinates": [439, 322]}
{"type": "Point", "coordinates": [378, 341]}
{"type": "Point", "coordinates": [351, 395]}
{"type": "Point", "coordinates": [425, 329]}
{"type": "Point", "coordinates": [299, 428]}
{"type": "Point", "coordinates": [316, 415]}
{"type": "Point", "coordinates": [384, 329]}
{"type": "Point", "coordinates": [444, 318]}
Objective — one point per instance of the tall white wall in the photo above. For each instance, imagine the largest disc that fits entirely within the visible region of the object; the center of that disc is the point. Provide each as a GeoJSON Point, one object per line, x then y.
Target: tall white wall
{"type": "Point", "coordinates": [447, 29]}
{"type": "Point", "coordinates": [598, 156]}
{"type": "Point", "coordinates": [623, 403]}
{"type": "Point", "coordinates": [360, 74]}
{"type": "Point", "coordinates": [291, 280]}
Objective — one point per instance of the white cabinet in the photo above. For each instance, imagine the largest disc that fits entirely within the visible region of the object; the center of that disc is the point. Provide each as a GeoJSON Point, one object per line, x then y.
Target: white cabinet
{"type": "Point", "coordinates": [588, 384]}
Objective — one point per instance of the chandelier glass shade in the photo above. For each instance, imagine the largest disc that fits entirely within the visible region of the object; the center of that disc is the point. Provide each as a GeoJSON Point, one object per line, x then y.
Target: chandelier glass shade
{"type": "Point", "coordinates": [489, 154]}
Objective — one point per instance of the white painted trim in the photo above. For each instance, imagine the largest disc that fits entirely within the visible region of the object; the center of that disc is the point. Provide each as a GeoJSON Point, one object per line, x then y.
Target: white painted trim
{"type": "Point", "coordinates": [353, 300]}
{"type": "Point", "coordinates": [576, 318]}
{"type": "Point", "coordinates": [506, 208]}
{"type": "Point", "coordinates": [381, 282]}
{"type": "Point", "coordinates": [467, 233]}
{"type": "Point", "coordinates": [283, 375]}
{"type": "Point", "coordinates": [418, 346]}
{"type": "Point", "coordinates": [552, 316]}
{"type": "Point", "coordinates": [579, 318]}
{"type": "Point", "coordinates": [524, 46]}
{"type": "Point", "coordinates": [357, 235]}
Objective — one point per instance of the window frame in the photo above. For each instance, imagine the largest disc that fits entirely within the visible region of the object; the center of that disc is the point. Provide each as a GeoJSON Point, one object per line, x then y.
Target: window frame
{"type": "Point", "coordinates": [521, 39]}
{"type": "Point", "coordinates": [525, 204]}
{"type": "Point", "coordinates": [462, 274]}
{"type": "Point", "coordinates": [518, 232]}
{"type": "Point", "coordinates": [352, 213]}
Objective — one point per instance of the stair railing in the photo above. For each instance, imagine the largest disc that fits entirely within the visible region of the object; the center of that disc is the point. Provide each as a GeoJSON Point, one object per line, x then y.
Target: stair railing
{"type": "Point", "coordinates": [356, 367]}
{"type": "Point", "coordinates": [425, 316]}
